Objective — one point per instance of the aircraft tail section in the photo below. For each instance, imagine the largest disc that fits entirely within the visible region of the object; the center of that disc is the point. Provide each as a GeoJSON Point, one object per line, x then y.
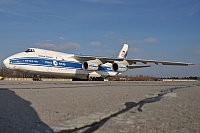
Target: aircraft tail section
{"type": "Point", "coordinates": [124, 51]}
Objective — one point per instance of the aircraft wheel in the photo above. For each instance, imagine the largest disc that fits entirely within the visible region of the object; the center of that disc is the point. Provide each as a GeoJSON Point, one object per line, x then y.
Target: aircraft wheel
{"type": "Point", "coordinates": [90, 79]}
{"type": "Point", "coordinates": [36, 78]}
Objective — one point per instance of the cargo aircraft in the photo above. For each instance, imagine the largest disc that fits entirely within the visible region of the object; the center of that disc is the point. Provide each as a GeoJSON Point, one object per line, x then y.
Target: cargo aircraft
{"type": "Point", "coordinates": [37, 62]}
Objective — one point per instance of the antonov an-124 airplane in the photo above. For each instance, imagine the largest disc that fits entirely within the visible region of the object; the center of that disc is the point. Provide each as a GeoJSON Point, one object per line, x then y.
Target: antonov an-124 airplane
{"type": "Point", "coordinates": [39, 62]}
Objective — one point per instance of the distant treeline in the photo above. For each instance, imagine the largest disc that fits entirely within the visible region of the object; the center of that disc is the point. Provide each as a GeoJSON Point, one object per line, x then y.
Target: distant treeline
{"type": "Point", "coordinates": [147, 78]}
{"type": "Point", "coordinates": [14, 74]}
{"type": "Point", "coordinates": [19, 74]}
{"type": "Point", "coordinates": [133, 78]}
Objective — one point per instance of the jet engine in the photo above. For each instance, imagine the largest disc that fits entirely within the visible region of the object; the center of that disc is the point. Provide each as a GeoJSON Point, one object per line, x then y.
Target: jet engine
{"type": "Point", "coordinates": [119, 67]}
{"type": "Point", "coordinates": [91, 65]}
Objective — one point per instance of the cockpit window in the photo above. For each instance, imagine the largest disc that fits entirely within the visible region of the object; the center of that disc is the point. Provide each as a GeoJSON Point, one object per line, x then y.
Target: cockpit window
{"type": "Point", "coordinates": [30, 50]}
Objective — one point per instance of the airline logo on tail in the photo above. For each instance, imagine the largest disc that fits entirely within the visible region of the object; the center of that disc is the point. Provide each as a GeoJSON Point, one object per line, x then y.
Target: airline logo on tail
{"type": "Point", "coordinates": [124, 51]}
{"type": "Point", "coordinates": [123, 54]}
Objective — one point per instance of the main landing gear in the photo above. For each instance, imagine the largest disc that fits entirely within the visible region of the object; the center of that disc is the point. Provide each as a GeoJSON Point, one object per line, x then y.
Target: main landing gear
{"type": "Point", "coordinates": [36, 78]}
{"type": "Point", "coordinates": [89, 79]}
{"type": "Point", "coordinates": [95, 79]}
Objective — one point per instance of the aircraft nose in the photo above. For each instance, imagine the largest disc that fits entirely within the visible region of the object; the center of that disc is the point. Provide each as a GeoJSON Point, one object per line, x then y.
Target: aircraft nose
{"type": "Point", "coordinates": [6, 62]}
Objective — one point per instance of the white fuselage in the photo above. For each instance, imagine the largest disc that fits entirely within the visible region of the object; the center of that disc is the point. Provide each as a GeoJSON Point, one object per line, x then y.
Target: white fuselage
{"type": "Point", "coordinates": [57, 64]}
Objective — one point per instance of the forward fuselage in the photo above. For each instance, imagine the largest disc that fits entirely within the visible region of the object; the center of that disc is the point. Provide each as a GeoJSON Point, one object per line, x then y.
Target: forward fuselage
{"type": "Point", "coordinates": [45, 62]}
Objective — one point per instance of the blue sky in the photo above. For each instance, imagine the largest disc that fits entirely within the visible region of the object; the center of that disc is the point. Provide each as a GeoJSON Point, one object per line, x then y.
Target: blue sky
{"type": "Point", "coordinates": [154, 29]}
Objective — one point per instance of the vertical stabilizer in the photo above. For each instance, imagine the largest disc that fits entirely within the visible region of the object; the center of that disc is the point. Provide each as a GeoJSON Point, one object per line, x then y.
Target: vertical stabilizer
{"type": "Point", "coordinates": [124, 51]}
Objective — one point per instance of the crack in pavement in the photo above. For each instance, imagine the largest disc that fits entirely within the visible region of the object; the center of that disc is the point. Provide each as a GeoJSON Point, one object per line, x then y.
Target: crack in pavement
{"type": "Point", "coordinates": [129, 105]}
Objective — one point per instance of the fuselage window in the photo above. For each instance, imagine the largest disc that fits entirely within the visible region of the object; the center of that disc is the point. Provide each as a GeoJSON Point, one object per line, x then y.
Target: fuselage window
{"type": "Point", "coordinates": [30, 50]}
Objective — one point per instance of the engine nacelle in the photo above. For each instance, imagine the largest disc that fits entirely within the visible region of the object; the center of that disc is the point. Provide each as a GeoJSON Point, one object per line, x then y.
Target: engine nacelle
{"type": "Point", "coordinates": [119, 67]}
{"type": "Point", "coordinates": [91, 65]}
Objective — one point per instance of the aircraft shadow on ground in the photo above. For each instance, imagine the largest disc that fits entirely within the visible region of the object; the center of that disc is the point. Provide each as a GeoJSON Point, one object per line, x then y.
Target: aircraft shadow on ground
{"type": "Point", "coordinates": [129, 105]}
{"type": "Point", "coordinates": [17, 116]}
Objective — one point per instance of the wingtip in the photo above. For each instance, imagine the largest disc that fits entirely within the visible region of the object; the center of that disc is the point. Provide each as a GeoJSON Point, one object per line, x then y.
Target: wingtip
{"type": "Point", "coordinates": [192, 64]}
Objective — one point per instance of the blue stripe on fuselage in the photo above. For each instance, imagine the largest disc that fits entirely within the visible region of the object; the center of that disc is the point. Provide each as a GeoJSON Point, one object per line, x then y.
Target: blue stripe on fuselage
{"type": "Point", "coordinates": [34, 61]}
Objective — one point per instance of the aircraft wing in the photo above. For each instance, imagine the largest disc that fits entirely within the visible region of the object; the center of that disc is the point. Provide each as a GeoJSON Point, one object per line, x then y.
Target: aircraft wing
{"type": "Point", "coordinates": [134, 66]}
{"type": "Point", "coordinates": [134, 61]}
{"type": "Point", "coordinates": [83, 58]}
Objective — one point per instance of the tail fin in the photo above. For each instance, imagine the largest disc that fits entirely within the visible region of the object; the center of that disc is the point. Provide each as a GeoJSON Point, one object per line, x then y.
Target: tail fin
{"type": "Point", "coordinates": [124, 51]}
